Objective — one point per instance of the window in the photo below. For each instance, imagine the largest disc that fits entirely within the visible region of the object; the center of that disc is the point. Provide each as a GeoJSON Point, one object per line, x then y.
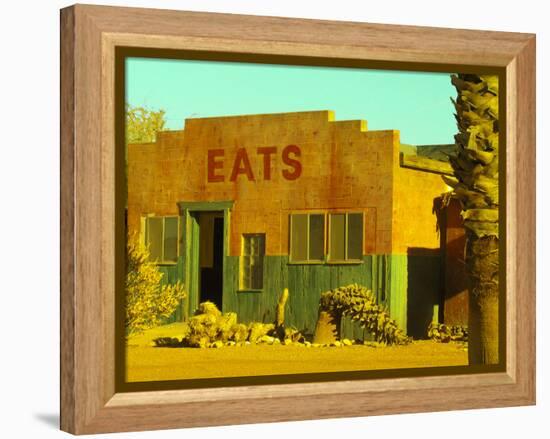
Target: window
{"type": "Point", "coordinates": [307, 237]}
{"type": "Point", "coordinates": [162, 238]}
{"type": "Point", "coordinates": [345, 236]}
{"type": "Point", "coordinates": [252, 261]}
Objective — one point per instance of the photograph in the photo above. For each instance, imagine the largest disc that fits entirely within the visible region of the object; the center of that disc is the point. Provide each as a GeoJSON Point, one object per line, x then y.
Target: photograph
{"type": "Point", "coordinates": [285, 219]}
{"type": "Point", "coordinates": [274, 219]}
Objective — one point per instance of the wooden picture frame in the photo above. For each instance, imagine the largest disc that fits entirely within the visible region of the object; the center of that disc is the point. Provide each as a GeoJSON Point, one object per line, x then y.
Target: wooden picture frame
{"type": "Point", "coordinates": [89, 37]}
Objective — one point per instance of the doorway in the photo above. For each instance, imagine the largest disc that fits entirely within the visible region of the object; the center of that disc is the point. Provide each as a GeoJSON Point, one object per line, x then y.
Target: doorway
{"type": "Point", "coordinates": [211, 249]}
{"type": "Point", "coordinates": [205, 248]}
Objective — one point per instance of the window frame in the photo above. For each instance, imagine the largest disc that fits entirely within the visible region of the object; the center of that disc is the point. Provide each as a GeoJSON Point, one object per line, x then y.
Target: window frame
{"type": "Point", "coordinates": [325, 229]}
{"type": "Point", "coordinates": [326, 237]}
{"type": "Point", "coordinates": [242, 287]}
{"type": "Point", "coordinates": [145, 237]}
{"type": "Point", "coordinates": [346, 259]}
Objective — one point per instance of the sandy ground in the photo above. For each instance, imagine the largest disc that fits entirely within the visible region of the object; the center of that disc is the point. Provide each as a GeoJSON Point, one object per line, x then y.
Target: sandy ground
{"type": "Point", "coordinates": [148, 363]}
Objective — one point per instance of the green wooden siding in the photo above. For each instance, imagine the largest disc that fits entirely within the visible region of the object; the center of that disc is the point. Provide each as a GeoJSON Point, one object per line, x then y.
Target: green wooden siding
{"type": "Point", "coordinates": [305, 283]}
{"type": "Point", "coordinates": [396, 290]}
{"type": "Point", "coordinates": [171, 274]}
{"type": "Point", "coordinates": [407, 286]}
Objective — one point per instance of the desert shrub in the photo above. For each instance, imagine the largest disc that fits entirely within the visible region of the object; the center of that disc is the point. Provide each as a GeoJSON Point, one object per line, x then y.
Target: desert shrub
{"type": "Point", "coordinates": [359, 304]}
{"type": "Point", "coordinates": [293, 335]}
{"type": "Point", "coordinates": [209, 327]}
{"type": "Point", "coordinates": [239, 332]}
{"type": "Point", "coordinates": [142, 125]}
{"type": "Point", "coordinates": [208, 308]}
{"type": "Point", "coordinates": [147, 300]}
{"type": "Point", "coordinates": [446, 333]}
{"type": "Point", "coordinates": [257, 330]}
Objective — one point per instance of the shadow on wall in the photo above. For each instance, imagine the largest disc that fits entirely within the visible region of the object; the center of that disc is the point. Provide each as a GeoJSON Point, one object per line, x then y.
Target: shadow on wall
{"type": "Point", "coordinates": [425, 289]}
{"type": "Point", "coordinates": [455, 281]}
{"type": "Point", "coordinates": [454, 277]}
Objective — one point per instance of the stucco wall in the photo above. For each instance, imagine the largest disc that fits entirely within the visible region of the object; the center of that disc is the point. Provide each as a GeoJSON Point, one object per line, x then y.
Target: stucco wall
{"type": "Point", "coordinates": [329, 166]}
{"type": "Point", "coordinates": [341, 166]}
{"type": "Point", "coordinates": [414, 222]}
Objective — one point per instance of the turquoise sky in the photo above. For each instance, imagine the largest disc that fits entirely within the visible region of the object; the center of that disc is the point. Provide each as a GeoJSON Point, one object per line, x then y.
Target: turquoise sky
{"type": "Point", "coordinates": [417, 104]}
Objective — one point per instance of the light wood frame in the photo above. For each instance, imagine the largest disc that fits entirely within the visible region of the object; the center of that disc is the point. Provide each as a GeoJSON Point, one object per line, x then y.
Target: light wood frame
{"type": "Point", "coordinates": [89, 34]}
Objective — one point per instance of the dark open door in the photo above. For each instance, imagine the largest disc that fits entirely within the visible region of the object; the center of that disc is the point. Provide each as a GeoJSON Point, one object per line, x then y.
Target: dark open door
{"type": "Point", "coordinates": [211, 257]}
{"type": "Point", "coordinates": [205, 241]}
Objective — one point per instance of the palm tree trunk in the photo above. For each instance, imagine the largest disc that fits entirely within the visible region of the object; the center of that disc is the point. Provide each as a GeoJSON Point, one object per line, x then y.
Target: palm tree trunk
{"type": "Point", "coordinates": [482, 265]}
{"type": "Point", "coordinates": [476, 185]}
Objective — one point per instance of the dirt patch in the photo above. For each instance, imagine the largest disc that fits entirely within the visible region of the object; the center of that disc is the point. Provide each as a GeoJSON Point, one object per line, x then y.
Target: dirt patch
{"type": "Point", "coordinates": [148, 363]}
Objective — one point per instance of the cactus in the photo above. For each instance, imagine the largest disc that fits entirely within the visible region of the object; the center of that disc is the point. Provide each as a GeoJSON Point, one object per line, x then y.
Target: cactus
{"type": "Point", "coordinates": [359, 304]}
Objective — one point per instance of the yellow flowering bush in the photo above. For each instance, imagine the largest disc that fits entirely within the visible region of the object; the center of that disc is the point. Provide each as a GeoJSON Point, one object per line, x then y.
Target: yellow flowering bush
{"type": "Point", "coordinates": [142, 125]}
{"type": "Point", "coordinates": [147, 300]}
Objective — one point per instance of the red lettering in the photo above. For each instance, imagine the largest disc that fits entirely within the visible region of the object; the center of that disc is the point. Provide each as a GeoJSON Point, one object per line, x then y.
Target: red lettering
{"type": "Point", "coordinates": [267, 152]}
{"type": "Point", "coordinates": [213, 164]}
{"type": "Point", "coordinates": [241, 166]}
{"type": "Point", "coordinates": [295, 164]}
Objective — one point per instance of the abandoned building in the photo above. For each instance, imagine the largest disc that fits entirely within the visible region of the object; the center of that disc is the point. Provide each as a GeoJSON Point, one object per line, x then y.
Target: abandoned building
{"type": "Point", "coordinates": [239, 208]}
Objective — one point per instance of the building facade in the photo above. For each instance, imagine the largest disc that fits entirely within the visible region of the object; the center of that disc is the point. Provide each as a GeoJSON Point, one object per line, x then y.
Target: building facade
{"type": "Point", "coordinates": [241, 207]}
